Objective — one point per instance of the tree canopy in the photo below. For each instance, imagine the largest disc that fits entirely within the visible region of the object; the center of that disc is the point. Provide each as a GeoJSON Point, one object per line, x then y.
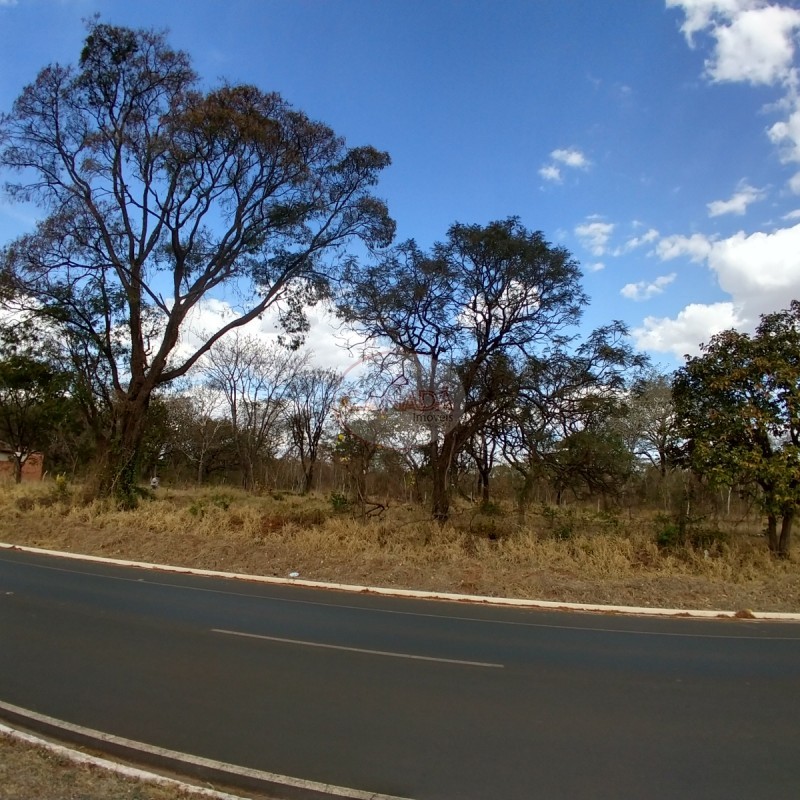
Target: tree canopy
{"type": "Point", "coordinates": [738, 407]}
{"type": "Point", "coordinates": [158, 193]}
{"type": "Point", "coordinates": [470, 321]}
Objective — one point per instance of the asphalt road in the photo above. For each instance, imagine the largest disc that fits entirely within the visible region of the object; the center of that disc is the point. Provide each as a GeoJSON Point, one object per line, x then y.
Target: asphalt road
{"type": "Point", "coordinates": [421, 699]}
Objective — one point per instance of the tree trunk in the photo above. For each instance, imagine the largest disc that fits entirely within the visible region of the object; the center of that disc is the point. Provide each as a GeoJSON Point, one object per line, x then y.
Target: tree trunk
{"type": "Point", "coordinates": [484, 476]}
{"type": "Point", "coordinates": [785, 542]}
{"type": "Point", "coordinates": [772, 533]}
{"type": "Point", "coordinates": [309, 478]}
{"type": "Point", "coordinates": [119, 468]}
{"type": "Point", "coordinates": [17, 469]}
{"type": "Point", "coordinates": [441, 493]}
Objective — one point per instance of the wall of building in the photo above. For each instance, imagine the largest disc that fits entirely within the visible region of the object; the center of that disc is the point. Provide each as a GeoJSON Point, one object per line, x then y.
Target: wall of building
{"type": "Point", "coordinates": [31, 469]}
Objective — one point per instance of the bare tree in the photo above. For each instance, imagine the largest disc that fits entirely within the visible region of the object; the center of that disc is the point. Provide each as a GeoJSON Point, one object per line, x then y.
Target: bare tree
{"type": "Point", "coordinates": [198, 426]}
{"type": "Point", "coordinates": [312, 395]}
{"type": "Point", "coordinates": [651, 424]}
{"type": "Point", "coordinates": [255, 380]}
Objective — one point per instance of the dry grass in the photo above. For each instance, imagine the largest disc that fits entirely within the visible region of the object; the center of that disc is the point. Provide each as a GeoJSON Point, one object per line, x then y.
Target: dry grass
{"type": "Point", "coordinates": [566, 555]}
{"type": "Point", "coordinates": [33, 773]}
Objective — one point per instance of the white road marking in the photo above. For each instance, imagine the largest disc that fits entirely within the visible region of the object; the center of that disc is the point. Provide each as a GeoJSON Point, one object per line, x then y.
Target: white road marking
{"type": "Point", "coordinates": [488, 621]}
{"type": "Point", "coordinates": [359, 649]}
{"type": "Point", "coordinates": [297, 786]}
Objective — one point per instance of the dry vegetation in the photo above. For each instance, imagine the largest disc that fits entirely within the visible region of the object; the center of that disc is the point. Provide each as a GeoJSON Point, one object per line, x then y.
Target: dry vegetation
{"type": "Point", "coordinates": [33, 773]}
{"type": "Point", "coordinates": [568, 554]}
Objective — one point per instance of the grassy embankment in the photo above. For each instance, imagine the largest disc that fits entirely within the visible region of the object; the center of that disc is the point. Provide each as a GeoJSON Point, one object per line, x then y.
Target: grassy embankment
{"type": "Point", "coordinates": [570, 554]}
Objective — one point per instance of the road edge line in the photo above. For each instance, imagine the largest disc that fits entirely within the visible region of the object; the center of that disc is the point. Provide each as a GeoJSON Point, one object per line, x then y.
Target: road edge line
{"type": "Point", "coordinates": [552, 605]}
{"type": "Point", "coordinates": [185, 763]}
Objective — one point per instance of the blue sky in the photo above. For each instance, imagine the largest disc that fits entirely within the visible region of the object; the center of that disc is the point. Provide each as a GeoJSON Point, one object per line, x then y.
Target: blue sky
{"type": "Point", "coordinates": [658, 140]}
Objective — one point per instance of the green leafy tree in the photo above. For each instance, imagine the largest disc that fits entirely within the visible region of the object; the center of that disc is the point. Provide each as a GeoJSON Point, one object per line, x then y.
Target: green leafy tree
{"type": "Point", "coordinates": [738, 407]}
{"type": "Point", "coordinates": [563, 432]}
{"type": "Point", "coordinates": [32, 404]}
{"type": "Point", "coordinates": [158, 194]}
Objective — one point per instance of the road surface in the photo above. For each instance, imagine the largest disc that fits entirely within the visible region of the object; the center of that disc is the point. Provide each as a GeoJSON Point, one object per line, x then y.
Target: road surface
{"type": "Point", "coordinates": [420, 699]}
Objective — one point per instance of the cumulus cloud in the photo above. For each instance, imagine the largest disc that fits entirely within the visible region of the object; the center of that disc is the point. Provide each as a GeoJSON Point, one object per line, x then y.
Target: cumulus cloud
{"type": "Point", "coordinates": [754, 42]}
{"type": "Point", "coordinates": [756, 46]}
{"type": "Point", "coordinates": [759, 271]}
{"type": "Point", "coordinates": [695, 247]}
{"type": "Point", "coordinates": [701, 13]}
{"type": "Point", "coordinates": [681, 336]}
{"type": "Point", "coordinates": [569, 157]}
{"type": "Point", "coordinates": [594, 235]}
{"type": "Point", "coordinates": [738, 203]}
{"type": "Point", "coordinates": [644, 290]}
{"type": "Point", "coordinates": [550, 172]}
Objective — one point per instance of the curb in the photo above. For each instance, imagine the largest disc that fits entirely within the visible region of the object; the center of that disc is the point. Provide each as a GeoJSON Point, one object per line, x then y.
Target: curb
{"type": "Point", "coordinates": [132, 773]}
{"type": "Point", "coordinates": [552, 605]}
{"type": "Point", "coordinates": [182, 763]}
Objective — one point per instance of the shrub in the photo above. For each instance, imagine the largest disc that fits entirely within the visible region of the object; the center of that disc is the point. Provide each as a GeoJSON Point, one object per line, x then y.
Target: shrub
{"type": "Point", "coordinates": [339, 502]}
{"type": "Point", "coordinates": [681, 532]}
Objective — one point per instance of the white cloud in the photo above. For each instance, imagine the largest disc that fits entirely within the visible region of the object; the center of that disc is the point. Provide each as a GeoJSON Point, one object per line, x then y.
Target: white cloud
{"type": "Point", "coordinates": [695, 324]}
{"type": "Point", "coordinates": [738, 203]}
{"type": "Point", "coordinates": [786, 135]}
{"type": "Point", "coordinates": [595, 235]}
{"type": "Point", "coordinates": [696, 247]}
{"type": "Point", "coordinates": [571, 157]}
{"type": "Point", "coordinates": [757, 46]}
{"type": "Point", "coordinates": [550, 172]}
{"type": "Point", "coordinates": [596, 267]}
{"type": "Point", "coordinates": [759, 271]}
{"type": "Point", "coordinates": [325, 340]}
{"type": "Point", "coordinates": [701, 13]}
{"type": "Point", "coordinates": [637, 241]}
{"type": "Point", "coordinates": [567, 157]}
{"type": "Point", "coordinates": [792, 214]}
{"type": "Point", "coordinates": [755, 42]}
{"type": "Point", "coordinates": [644, 290]}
